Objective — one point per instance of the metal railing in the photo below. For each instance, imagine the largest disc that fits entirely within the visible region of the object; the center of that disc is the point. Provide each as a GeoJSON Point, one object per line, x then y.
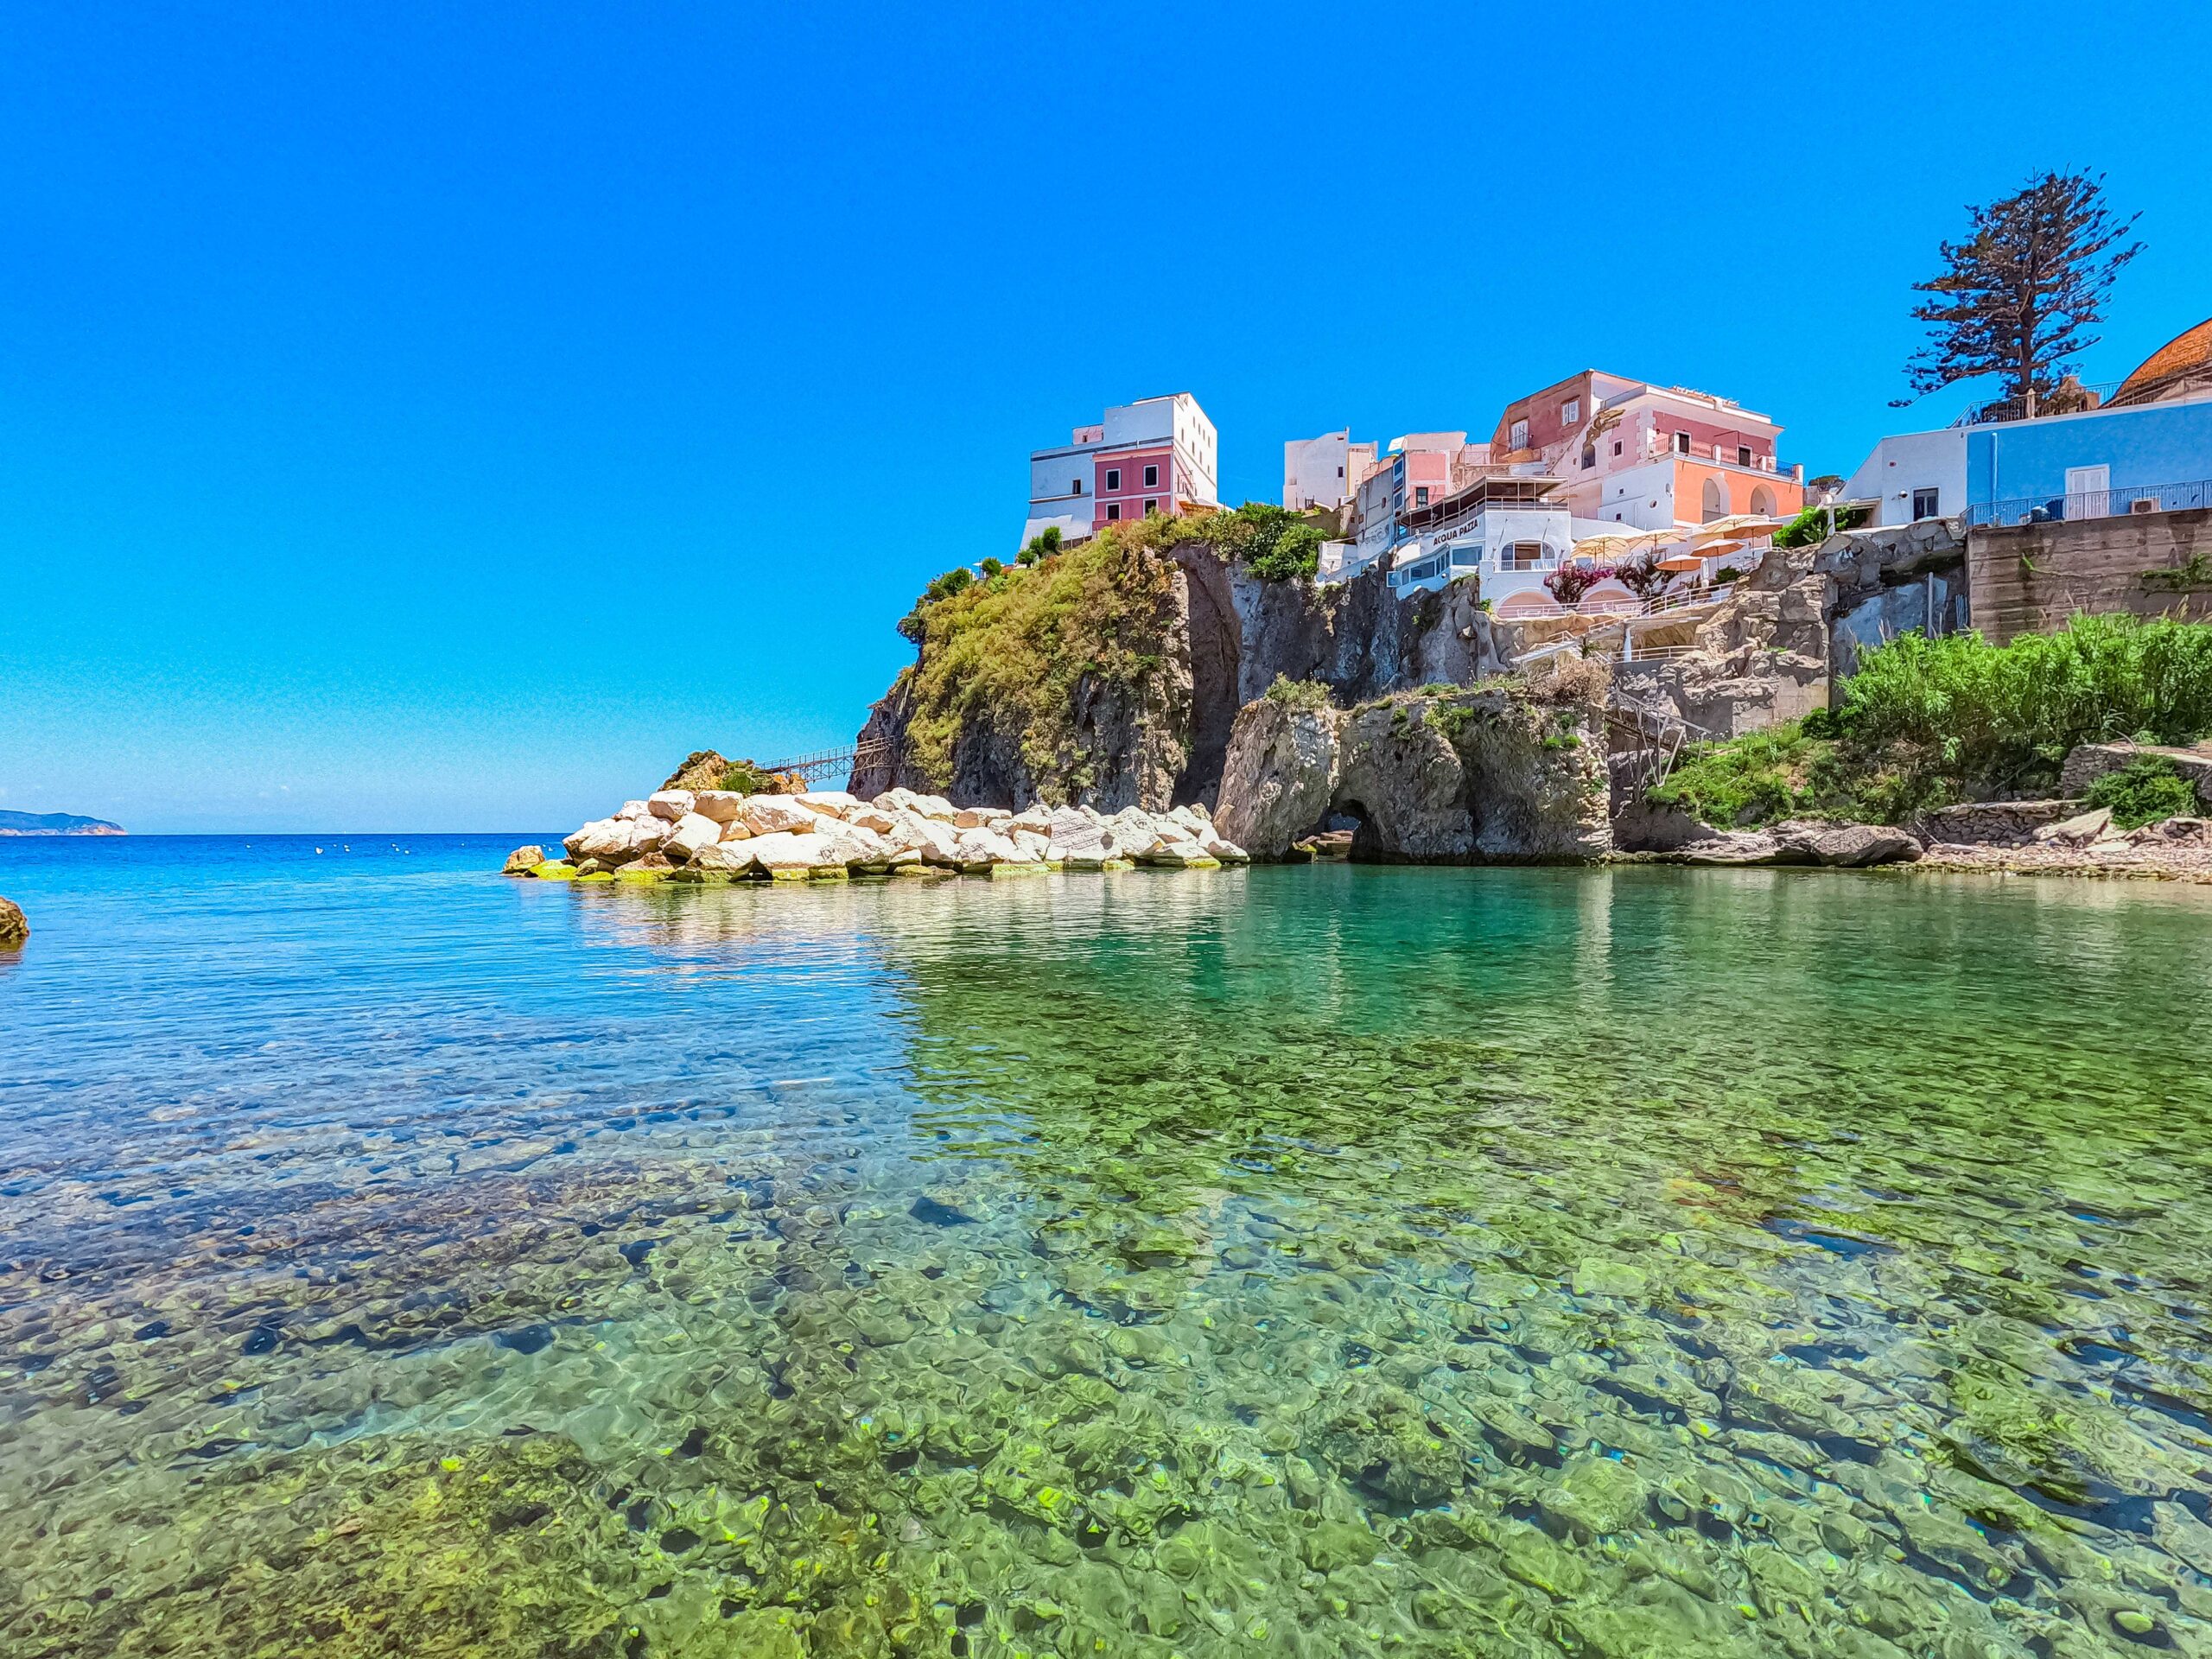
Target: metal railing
{"type": "Point", "coordinates": [2070, 397]}
{"type": "Point", "coordinates": [2117, 503]}
{"type": "Point", "coordinates": [830, 762]}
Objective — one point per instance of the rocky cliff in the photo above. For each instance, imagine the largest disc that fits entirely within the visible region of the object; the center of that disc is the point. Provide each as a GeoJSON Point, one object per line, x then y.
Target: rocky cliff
{"type": "Point", "coordinates": [1111, 675]}
{"type": "Point", "coordinates": [1509, 770]}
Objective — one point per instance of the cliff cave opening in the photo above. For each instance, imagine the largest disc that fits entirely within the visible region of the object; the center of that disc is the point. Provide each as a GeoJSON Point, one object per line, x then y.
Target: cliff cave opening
{"type": "Point", "coordinates": [1216, 653]}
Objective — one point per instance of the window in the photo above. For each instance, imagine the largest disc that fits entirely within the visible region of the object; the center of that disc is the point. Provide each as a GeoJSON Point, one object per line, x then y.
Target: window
{"type": "Point", "coordinates": [1340, 471]}
{"type": "Point", "coordinates": [1113, 510]}
{"type": "Point", "coordinates": [1420, 495]}
{"type": "Point", "coordinates": [1075, 487]}
{"type": "Point", "coordinates": [1113, 478]}
{"type": "Point", "coordinates": [1681, 443]}
{"type": "Point", "coordinates": [1150, 505]}
{"type": "Point", "coordinates": [1151, 478]}
{"type": "Point", "coordinates": [1518, 437]}
{"type": "Point", "coordinates": [1617, 446]}
{"type": "Point", "coordinates": [1923, 503]}
{"type": "Point", "coordinates": [1570, 411]}
{"type": "Point", "coordinates": [1521, 555]}
{"type": "Point", "coordinates": [1743, 455]}
{"type": "Point", "coordinates": [1589, 455]}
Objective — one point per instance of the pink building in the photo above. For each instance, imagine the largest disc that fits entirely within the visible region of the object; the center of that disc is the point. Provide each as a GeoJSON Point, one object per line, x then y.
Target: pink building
{"type": "Point", "coordinates": [1156, 456]}
{"type": "Point", "coordinates": [1649, 456]}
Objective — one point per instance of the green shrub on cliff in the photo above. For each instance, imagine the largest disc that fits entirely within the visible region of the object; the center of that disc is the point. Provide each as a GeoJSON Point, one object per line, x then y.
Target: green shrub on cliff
{"type": "Point", "coordinates": [1308, 694]}
{"type": "Point", "coordinates": [1012, 652]}
{"type": "Point", "coordinates": [2006, 716]}
{"type": "Point", "coordinates": [1810, 527]}
{"type": "Point", "coordinates": [2148, 791]}
{"type": "Point", "coordinates": [1925, 722]}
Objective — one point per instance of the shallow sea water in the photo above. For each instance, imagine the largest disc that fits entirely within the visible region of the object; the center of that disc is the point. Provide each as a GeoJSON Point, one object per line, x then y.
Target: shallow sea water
{"type": "Point", "coordinates": [401, 1260]}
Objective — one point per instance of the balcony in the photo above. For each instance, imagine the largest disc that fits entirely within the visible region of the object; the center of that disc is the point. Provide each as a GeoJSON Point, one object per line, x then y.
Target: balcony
{"type": "Point", "coordinates": [2116, 503]}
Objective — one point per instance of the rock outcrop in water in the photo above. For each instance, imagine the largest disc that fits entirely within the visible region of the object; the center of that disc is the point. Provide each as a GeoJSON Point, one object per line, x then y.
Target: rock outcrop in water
{"type": "Point", "coordinates": [14, 930]}
{"type": "Point", "coordinates": [721, 836]}
{"type": "Point", "coordinates": [1507, 770]}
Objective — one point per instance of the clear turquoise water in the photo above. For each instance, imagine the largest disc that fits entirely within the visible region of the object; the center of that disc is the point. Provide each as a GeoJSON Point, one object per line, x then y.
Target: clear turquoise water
{"type": "Point", "coordinates": [1315, 1260]}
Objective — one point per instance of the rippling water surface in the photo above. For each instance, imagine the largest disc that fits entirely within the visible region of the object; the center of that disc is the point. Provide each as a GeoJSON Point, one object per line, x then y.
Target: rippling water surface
{"type": "Point", "coordinates": [401, 1260]}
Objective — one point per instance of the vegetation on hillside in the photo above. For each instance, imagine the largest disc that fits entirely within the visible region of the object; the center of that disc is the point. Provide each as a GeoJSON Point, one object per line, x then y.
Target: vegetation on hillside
{"type": "Point", "coordinates": [1927, 722]}
{"type": "Point", "coordinates": [1014, 641]}
{"type": "Point", "coordinates": [1012, 647]}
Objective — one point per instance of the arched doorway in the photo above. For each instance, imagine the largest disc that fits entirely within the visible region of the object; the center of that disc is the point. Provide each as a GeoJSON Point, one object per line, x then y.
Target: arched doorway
{"type": "Point", "coordinates": [1713, 503]}
{"type": "Point", "coordinates": [1762, 501]}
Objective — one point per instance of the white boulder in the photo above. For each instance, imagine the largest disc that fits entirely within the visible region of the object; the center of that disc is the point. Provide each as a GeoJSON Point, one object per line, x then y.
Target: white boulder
{"type": "Point", "coordinates": [635, 810]}
{"type": "Point", "coordinates": [782, 850]}
{"type": "Point", "coordinates": [932, 838]}
{"type": "Point", "coordinates": [1133, 832]}
{"type": "Point", "coordinates": [735, 829]}
{"type": "Point", "coordinates": [725, 858]}
{"type": "Point", "coordinates": [670, 803]}
{"type": "Point", "coordinates": [722, 805]}
{"type": "Point", "coordinates": [858, 848]}
{"type": "Point", "coordinates": [980, 817]}
{"type": "Point", "coordinates": [616, 840]}
{"type": "Point", "coordinates": [829, 803]}
{"type": "Point", "coordinates": [1030, 847]}
{"type": "Point", "coordinates": [1078, 842]}
{"type": "Point", "coordinates": [980, 846]}
{"type": "Point", "coordinates": [690, 835]}
{"type": "Point", "coordinates": [928, 806]}
{"type": "Point", "coordinates": [768, 815]}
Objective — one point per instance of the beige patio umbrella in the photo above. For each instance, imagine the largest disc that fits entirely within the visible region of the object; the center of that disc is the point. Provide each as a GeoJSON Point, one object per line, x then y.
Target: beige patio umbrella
{"type": "Point", "coordinates": [1737, 527]}
{"type": "Point", "coordinates": [1607, 543]}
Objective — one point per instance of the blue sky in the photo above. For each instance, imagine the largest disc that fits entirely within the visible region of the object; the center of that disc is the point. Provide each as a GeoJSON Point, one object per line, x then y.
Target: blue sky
{"type": "Point", "coordinates": [429, 417]}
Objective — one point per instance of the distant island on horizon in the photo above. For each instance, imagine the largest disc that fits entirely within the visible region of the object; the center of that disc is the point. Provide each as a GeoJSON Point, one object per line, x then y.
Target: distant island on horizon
{"type": "Point", "coordinates": [55, 823]}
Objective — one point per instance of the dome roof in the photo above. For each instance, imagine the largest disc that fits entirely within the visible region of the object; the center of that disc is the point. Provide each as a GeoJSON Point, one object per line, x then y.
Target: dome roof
{"type": "Point", "coordinates": [2184, 360]}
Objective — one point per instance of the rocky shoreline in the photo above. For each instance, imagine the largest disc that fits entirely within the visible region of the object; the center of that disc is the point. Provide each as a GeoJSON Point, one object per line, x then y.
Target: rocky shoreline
{"type": "Point", "coordinates": [698, 836]}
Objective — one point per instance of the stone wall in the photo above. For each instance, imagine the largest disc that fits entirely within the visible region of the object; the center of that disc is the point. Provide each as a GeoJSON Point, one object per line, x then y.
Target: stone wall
{"type": "Point", "coordinates": [2030, 578]}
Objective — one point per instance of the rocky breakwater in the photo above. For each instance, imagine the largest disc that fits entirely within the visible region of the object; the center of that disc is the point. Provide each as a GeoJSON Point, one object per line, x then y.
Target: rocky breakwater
{"type": "Point", "coordinates": [1507, 770]}
{"type": "Point", "coordinates": [681, 835]}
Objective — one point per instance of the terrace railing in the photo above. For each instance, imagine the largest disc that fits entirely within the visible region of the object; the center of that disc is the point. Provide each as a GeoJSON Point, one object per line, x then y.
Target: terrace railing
{"type": "Point", "coordinates": [2091, 504]}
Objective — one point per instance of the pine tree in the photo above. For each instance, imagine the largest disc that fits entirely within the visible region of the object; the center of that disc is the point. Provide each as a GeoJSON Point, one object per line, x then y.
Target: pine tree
{"type": "Point", "coordinates": [2016, 294]}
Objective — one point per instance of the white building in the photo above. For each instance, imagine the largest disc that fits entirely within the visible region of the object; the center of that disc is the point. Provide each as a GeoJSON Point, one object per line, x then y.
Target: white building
{"type": "Point", "coordinates": [1913, 475]}
{"type": "Point", "coordinates": [1509, 532]}
{"type": "Point", "coordinates": [1156, 456]}
{"type": "Point", "coordinates": [1323, 472]}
